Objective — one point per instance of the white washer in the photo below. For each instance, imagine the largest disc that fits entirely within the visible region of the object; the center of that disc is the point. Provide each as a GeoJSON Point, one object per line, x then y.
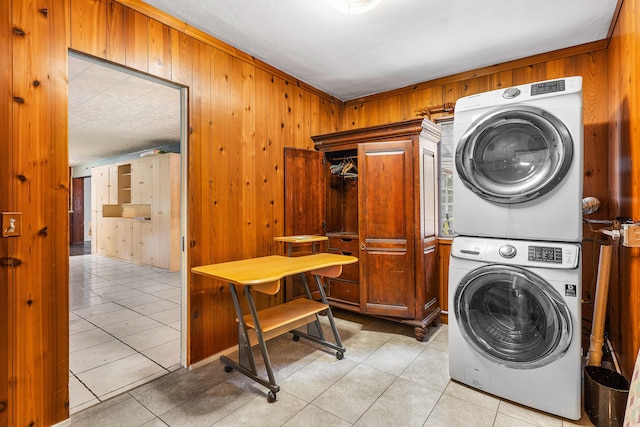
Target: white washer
{"type": "Point", "coordinates": [519, 162]}
{"type": "Point", "coordinates": [515, 321]}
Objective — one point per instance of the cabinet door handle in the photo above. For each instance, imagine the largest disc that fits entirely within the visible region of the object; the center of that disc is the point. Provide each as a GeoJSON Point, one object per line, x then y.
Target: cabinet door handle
{"type": "Point", "coordinates": [363, 247]}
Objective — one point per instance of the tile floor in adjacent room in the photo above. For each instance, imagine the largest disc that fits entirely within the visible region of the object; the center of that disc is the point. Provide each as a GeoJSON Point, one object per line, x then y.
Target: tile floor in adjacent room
{"type": "Point", "coordinates": [386, 378]}
{"type": "Point", "coordinates": [124, 327]}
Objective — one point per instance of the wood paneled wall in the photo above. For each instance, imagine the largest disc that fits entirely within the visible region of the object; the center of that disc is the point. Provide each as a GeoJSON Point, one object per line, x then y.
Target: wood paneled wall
{"type": "Point", "coordinates": [34, 316]}
{"type": "Point", "coordinates": [6, 195]}
{"type": "Point", "coordinates": [242, 113]}
{"type": "Point", "coordinates": [624, 154]}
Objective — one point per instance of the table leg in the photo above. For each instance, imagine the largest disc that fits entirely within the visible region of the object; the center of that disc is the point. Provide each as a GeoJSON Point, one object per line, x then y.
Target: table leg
{"type": "Point", "coordinates": [319, 336]}
{"type": "Point", "coordinates": [247, 363]}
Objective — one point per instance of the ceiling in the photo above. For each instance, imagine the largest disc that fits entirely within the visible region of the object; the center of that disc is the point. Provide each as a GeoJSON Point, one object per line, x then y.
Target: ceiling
{"type": "Point", "coordinates": [114, 112]}
{"type": "Point", "coordinates": [398, 43]}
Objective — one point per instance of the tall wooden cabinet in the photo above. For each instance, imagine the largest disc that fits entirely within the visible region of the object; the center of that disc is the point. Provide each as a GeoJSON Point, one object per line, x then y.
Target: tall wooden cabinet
{"type": "Point", "coordinates": [136, 211]}
{"type": "Point", "coordinates": [373, 193]}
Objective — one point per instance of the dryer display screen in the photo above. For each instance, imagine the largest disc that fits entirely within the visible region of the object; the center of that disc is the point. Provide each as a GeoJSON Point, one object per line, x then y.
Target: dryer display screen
{"type": "Point", "coordinates": [545, 254]}
{"type": "Point", "coordinates": [547, 87]}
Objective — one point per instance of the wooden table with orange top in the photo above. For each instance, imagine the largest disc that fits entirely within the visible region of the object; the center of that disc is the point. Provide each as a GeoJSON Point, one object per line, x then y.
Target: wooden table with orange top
{"type": "Point", "coordinates": [263, 275]}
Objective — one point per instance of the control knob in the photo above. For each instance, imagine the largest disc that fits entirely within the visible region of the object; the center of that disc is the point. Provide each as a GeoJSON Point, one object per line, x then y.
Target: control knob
{"type": "Point", "coordinates": [510, 93]}
{"type": "Point", "coordinates": [507, 251]}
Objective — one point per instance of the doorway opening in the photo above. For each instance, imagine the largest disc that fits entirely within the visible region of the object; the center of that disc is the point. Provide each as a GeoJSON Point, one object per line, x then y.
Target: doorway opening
{"type": "Point", "coordinates": [127, 149]}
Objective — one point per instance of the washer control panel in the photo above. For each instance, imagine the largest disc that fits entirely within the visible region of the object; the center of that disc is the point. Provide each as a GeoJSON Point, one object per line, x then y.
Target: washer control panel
{"type": "Point", "coordinates": [545, 254]}
{"type": "Point", "coordinates": [517, 252]}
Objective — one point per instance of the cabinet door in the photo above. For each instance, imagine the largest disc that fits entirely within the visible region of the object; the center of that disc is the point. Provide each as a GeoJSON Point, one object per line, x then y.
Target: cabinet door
{"type": "Point", "coordinates": [107, 244]}
{"type": "Point", "coordinates": [165, 210]}
{"type": "Point", "coordinates": [304, 209]}
{"type": "Point", "coordinates": [100, 188]}
{"type": "Point", "coordinates": [145, 243]}
{"type": "Point", "coordinates": [124, 239]}
{"type": "Point", "coordinates": [386, 228]}
{"type": "Point", "coordinates": [113, 185]}
{"type": "Point", "coordinates": [142, 181]}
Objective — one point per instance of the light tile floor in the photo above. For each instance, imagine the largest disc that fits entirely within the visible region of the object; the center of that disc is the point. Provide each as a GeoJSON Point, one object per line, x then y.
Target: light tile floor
{"type": "Point", "coordinates": [386, 378]}
{"type": "Point", "coordinates": [124, 327]}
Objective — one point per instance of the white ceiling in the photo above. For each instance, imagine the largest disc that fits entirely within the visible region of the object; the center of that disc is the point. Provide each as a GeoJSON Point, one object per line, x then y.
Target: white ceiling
{"type": "Point", "coordinates": [399, 43]}
{"type": "Point", "coordinates": [113, 112]}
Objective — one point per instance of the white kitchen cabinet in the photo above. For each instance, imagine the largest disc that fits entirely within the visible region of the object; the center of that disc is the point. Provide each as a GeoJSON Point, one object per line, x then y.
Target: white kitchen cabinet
{"type": "Point", "coordinates": [142, 177]}
{"type": "Point", "coordinates": [107, 233]}
{"type": "Point", "coordinates": [146, 250]}
{"type": "Point", "coordinates": [166, 210]}
{"type": "Point", "coordinates": [146, 188]}
{"type": "Point", "coordinates": [124, 239]}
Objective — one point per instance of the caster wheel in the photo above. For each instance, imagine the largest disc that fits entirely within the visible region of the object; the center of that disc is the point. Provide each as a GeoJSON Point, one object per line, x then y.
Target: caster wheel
{"type": "Point", "coordinates": [228, 369]}
{"type": "Point", "coordinates": [339, 355]}
{"type": "Point", "coordinates": [271, 397]}
{"type": "Point", "coordinates": [296, 338]}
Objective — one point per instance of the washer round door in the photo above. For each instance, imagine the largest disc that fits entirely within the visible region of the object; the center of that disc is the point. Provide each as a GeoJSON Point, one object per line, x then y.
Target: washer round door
{"type": "Point", "coordinates": [512, 316]}
{"type": "Point", "coordinates": [514, 154]}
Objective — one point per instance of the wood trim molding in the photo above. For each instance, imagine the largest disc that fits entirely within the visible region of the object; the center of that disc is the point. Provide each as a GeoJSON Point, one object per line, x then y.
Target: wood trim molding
{"type": "Point", "coordinates": [614, 20]}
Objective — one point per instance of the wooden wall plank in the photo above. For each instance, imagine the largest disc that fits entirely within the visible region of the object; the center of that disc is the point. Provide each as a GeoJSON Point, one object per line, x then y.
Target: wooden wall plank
{"type": "Point", "coordinates": [89, 35]}
{"type": "Point", "coordinates": [136, 40]}
{"type": "Point", "coordinates": [160, 48]}
{"type": "Point", "coordinates": [199, 184]}
{"type": "Point", "coordinates": [452, 91]}
{"type": "Point", "coordinates": [115, 32]}
{"type": "Point", "coordinates": [278, 142]}
{"type": "Point", "coordinates": [500, 79]}
{"type": "Point", "coordinates": [7, 174]}
{"type": "Point", "coordinates": [264, 196]}
{"type": "Point", "coordinates": [475, 85]}
{"type": "Point", "coordinates": [39, 298]}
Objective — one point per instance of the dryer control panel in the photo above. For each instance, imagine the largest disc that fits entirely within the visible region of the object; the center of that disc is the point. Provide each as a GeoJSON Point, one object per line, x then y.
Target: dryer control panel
{"type": "Point", "coordinates": [517, 252]}
{"type": "Point", "coordinates": [547, 87]}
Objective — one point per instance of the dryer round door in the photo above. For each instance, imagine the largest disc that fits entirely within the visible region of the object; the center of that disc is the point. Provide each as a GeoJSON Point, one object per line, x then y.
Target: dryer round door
{"type": "Point", "coordinates": [514, 154]}
{"type": "Point", "coordinates": [512, 316]}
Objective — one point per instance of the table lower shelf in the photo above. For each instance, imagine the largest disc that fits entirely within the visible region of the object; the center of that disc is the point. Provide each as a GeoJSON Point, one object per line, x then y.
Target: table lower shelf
{"type": "Point", "coordinates": [285, 314]}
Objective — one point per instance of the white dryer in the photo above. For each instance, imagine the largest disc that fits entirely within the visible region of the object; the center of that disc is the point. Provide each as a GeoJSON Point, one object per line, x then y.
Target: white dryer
{"type": "Point", "coordinates": [519, 162]}
{"type": "Point", "coordinates": [515, 321]}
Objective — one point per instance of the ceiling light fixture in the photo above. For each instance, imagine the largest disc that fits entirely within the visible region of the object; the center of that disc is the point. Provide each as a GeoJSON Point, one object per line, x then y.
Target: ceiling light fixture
{"type": "Point", "coordinates": [354, 7]}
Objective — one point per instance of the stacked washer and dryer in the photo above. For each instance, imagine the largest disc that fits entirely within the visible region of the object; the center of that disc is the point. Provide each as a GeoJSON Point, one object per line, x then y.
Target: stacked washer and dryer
{"type": "Point", "coordinates": [515, 269]}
